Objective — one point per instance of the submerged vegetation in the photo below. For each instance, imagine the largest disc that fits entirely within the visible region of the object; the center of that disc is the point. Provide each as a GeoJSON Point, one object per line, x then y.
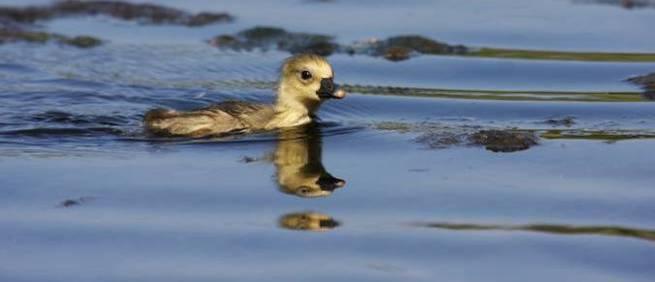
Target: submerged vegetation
{"type": "Point", "coordinates": [18, 24]}
{"type": "Point", "coordinates": [398, 48]}
{"type": "Point", "coordinates": [143, 13]}
{"type": "Point", "coordinates": [558, 229]}
{"type": "Point", "coordinates": [602, 135]}
{"type": "Point", "coordinates": [504, 140]}
{"type": "Point", "coordinates": [497, 94]}
{"type": "Point", "coordinates": [442, 136]}
{"type": "Point", "coordinates": [561, 55]}
{"type": "Point", "coordinates": [74, 202]}
{"type": "Point", "coordinates": [626, 4]}
{"type": "Point", "coordinates": [264, 38]}
{"type": "Point", "coordinates": [19, 34]}
{"type": "Point", "coordinates": [646, 82]}
{"type": "Point", "coordinates": [395, 48]}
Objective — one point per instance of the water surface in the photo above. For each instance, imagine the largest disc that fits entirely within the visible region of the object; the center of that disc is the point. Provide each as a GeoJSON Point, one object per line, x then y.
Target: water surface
{"type": "Point", "coordinates": [85, 195]}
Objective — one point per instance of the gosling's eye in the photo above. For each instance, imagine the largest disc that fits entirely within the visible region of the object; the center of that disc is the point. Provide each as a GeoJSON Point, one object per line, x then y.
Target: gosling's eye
{"type": "Point", "coordinates": [305, 75]}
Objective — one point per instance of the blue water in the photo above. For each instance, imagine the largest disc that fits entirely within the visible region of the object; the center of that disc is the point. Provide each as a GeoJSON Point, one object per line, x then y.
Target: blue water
{"type": "Point", "coordinates": [153, 209]}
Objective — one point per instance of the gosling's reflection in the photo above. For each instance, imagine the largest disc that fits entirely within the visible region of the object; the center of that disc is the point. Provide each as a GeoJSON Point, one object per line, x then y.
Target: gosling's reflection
{"type": "Point", "coordinates": [299, 170]}
{"type": "Point", "coordinates": [308, 221]}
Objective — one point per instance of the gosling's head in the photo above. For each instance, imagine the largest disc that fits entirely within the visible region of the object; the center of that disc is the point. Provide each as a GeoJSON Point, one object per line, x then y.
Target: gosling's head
{"type": "Point", "coordinates": [306, 81]}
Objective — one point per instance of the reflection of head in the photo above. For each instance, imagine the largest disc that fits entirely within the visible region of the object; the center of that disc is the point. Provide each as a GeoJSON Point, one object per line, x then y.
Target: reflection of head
{"type": "Point", "coordinates": [299, 169]}
{"type": "Point", "coordinates": [311, 221]}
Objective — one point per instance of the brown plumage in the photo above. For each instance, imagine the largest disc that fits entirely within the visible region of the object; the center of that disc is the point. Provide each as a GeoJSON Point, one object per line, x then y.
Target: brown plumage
{"type": "Point", "coordinates": [222, 118]}
{"type": "Point", "coordinates": [305, 82]}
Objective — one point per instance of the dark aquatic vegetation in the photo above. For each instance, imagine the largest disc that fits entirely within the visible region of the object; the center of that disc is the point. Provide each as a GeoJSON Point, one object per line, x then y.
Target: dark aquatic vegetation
{"type": "Point", "coordinates": [565, 121]}
{"type": "Point", "coordinates": [647, 82]}
{"type": "Point", "coordinates": [75, 202]}
{"type": "Point", "coordinates": [626, 4]}
{"type": "Point", "coordinates": [558, 229]}
{"type": "Point", "coordinates": [561, 55]}
{"type": "Point", "coordinates": [13, 34]}
{"type": "Point", "coordinates": [403, 47]}
{"type": "Point", "coordinates": [440, 136]}
{"type": "Point", "coordinates": [400, 48]}
{"type": "Point", "coordinates": [608, 136]}
{"type": "Point", "coordinates": [501, 95]}
{"type": "Point", "coordinates": [504, 140]}
{"type": "Point", "coordinates": [396, 48]}
{"type": "Point", "coordinates": [143, 13]}
{"type": "Point", "coordinates": [16, 24]}
{"type": "Point", "coordinates": [397, 53]}
{"type": "Point", "coordinates": [441, 139]}
{"type": "Point", "coordinates": [265, 37]}
{"type": "Point", "coordinates": [83, 41]}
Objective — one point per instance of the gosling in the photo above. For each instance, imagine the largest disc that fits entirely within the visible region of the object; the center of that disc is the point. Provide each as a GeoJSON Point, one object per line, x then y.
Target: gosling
{"type": "Point", "coordinates": [306, 81]}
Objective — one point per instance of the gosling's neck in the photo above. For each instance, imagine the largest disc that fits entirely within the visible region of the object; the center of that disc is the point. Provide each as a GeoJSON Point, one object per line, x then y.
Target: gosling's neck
{"type": "Point", "coordinates": [292, 109]}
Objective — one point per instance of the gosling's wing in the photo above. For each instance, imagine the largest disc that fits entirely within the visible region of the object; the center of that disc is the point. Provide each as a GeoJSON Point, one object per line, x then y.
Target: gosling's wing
{"type": "Point", "coordinates": [253, 115]}
{"type": "Point", "coordinates": [199, 123]}
{"type": "Point", "coordinates": [218, 119]}
{"type": "Point", "coordinates": [235, 108]}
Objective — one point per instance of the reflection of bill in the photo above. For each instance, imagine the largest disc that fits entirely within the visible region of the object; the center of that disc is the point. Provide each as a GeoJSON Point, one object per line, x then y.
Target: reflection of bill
{"type": "Point", "coordinates": [307, 221]}
{"type": "Point", "coordinates": [299, 169]}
